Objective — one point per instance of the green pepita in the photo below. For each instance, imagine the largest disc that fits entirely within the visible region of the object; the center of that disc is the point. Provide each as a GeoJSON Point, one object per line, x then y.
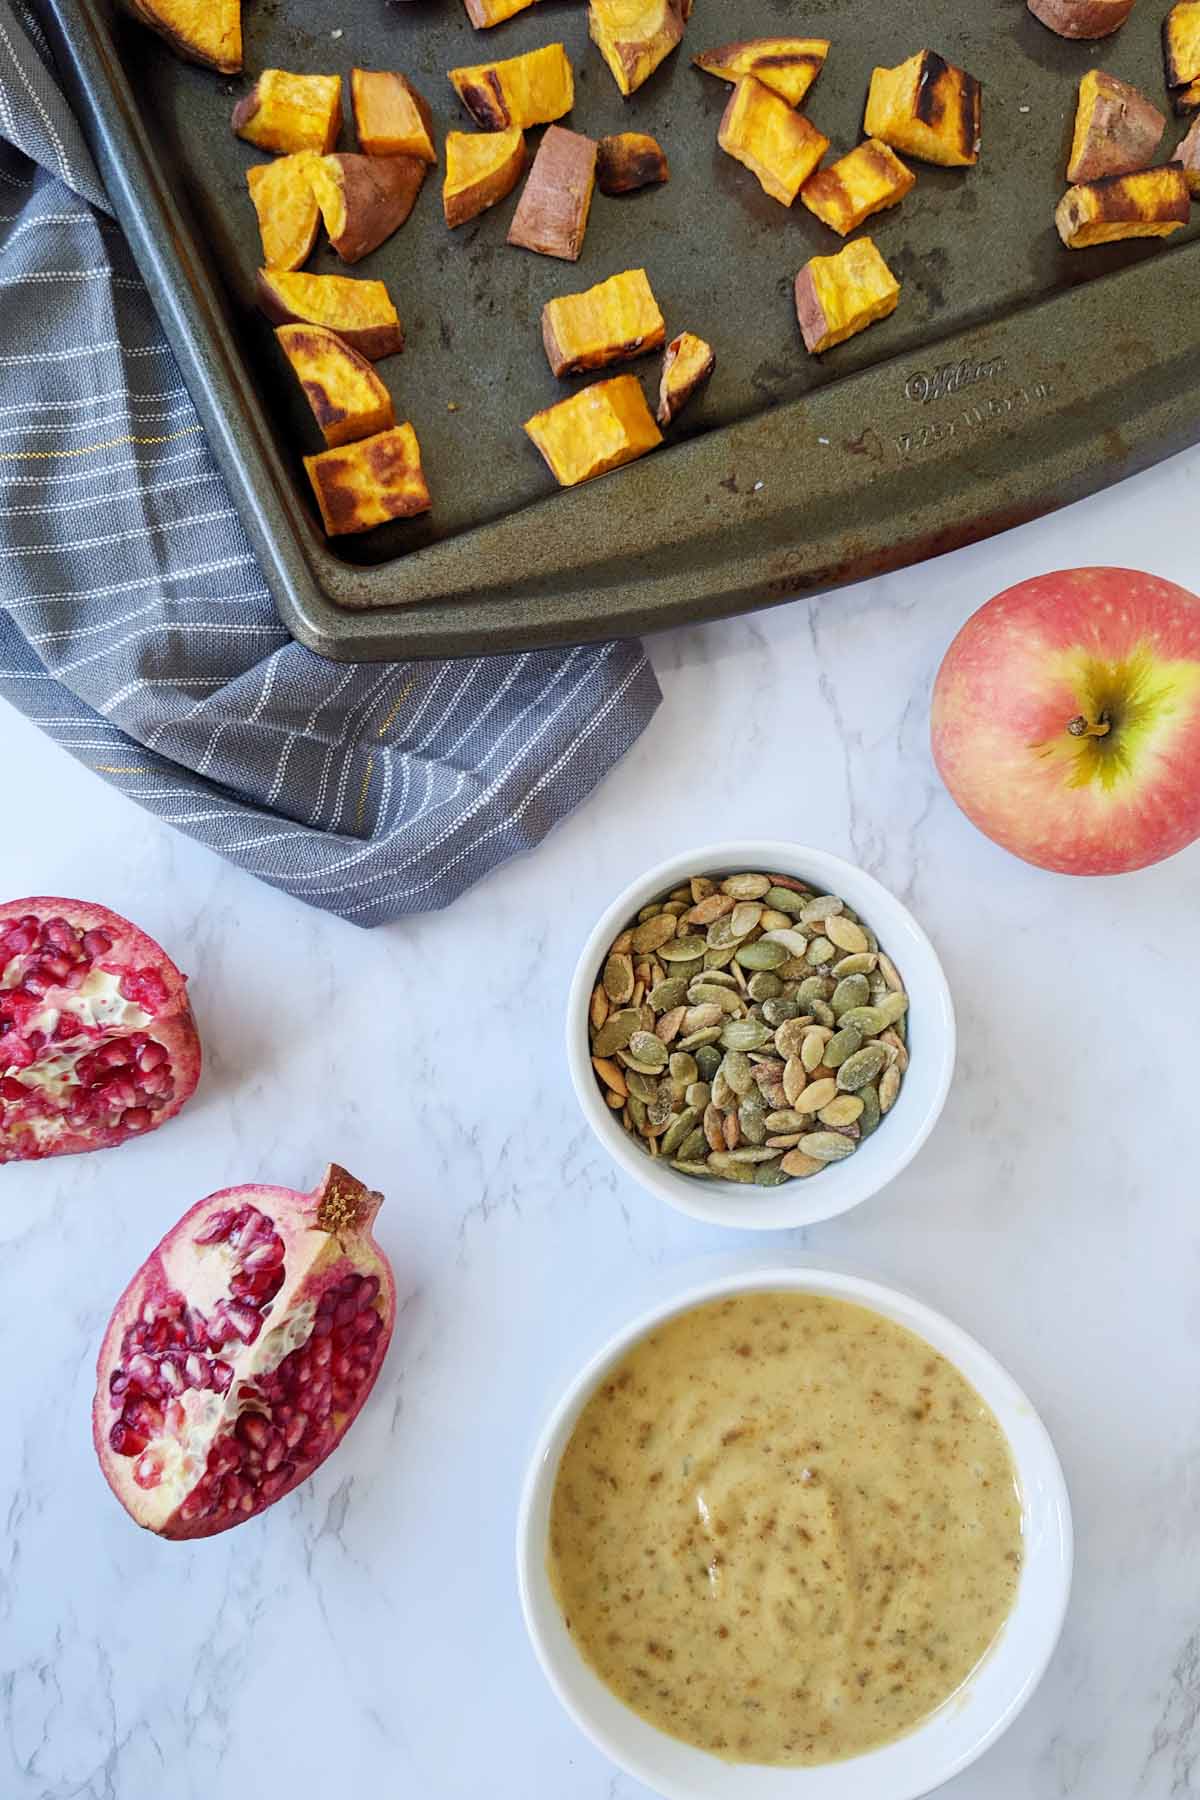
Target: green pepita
{"type": "Point", "coordinates": [865, 1065]}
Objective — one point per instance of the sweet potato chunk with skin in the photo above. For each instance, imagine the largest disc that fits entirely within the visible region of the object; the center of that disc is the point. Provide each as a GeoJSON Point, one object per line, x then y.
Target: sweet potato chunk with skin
{"type": "Point", "coordinates": [526, 90]}
{"type": "Point", "coordinates": [927, 108]}
{"type": "Point", "coordinates": [1117, 130]}
{"type": "Point", "coordinates": [288, 214]}
{"type": "Point", "coordinates": [598, 429]}
{"type": "Point", "coordinates": [391, 118]}
{"type": "Point", "coordinates": [629, 160]}
{"type": "Point", "coordinates": [776, 144]}
{"type": "Point", "coordinates": [483, 13]}
{"type": "Point", "coordinates": [1188, 158]}
{"type": "Point", "coordinates": [365, 484]}
{"type": "Point", "coordinates": [363, 199]}
{"type": "Point", "coordinates": [868, 180]}
{"type": "Point", "coordinates": [285, 112]}
{"type": "Point", "coordinates": [361, 312]}
{"type": "Point", "coordinates": [347, 397]}
{"type": "Point", "coordinates": [552, 213]}
{"type": "Point", "coordinates": [482, 167]}
{"type": "Point", "coordinates": [201, 31]}
{"type": "Point", "coordinates": [688, 363]}
{"type": "Point", "coordinates": [1150, 203]}
{"type": "Point", "coordinates": [1181, 53]}
{"type": "Point", "coordinates": [634, 36]}
{"type": "Point", "coordinates": [788, 66]}
{"type": "Point", "coordinates": [608, 323]}
{"type": "Point", "coordinates": [1082, 18]}
{"type": "Point", "coordinates": [837, 296]}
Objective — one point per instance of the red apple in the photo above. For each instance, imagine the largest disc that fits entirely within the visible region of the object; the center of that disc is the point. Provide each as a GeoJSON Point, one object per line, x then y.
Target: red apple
{"type": "Point", "coordinates": [1066, 720]}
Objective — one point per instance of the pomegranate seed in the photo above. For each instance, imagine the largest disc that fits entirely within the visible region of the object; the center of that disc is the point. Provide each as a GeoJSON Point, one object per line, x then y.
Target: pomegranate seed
{"type": "Point", "coordinates": [217, 1227]}
{"type": "Point", "coordinates": [193, 1507]}
{"type": "Point", "coordinates": [294, 1429]}
{"type": "Point", "coordinates": [60, 934]}
{"type": "Point", "coordinates": [368, 1292]}
{"type": "Point", "coordinates": [367, 1324]}
{"type": "Point", "coordinates": [346, 1310]}
{"type": "Point", "coordinates": [321, 1352]}
{"type": "Point", "coordinates": [97, 943]}
{"type": "Point", "coordinates": [136, 1118]}
{"type": "Point", "coordinates": [118, 1381]}
{"type": "Point", "coordinates": [322, 1325]}
{"type": "Point", "coordinates": [252, 1428]}
{"type": "Point", "coordinates": [125, 1441]}
{"type": "Point", "coordinates": [221, 1374]}
{"type": "Point", "coordinates": [147, 1470]}
{"type": "Point", "coordinates": [273, 1485]}
{"type": "Point", "coordinates": [226, 1454]}
{"type": "Point", "coordinates": [264, 1256]}
{"type": "Point", "coordinates": [171, 1375]}
{"type": "Point", "coordinates": [142, 1369]}
{"type": "Point", "coordinates": [13, 1090]}
{"type": "Point", "coordinates": [153, 1056]}
{"type": "Point", "coordinates": [274, 1453]}
{"type": "Point", "coordinates": [56, 966]}
{"type": "Point", "coordinates": [195, 1370]}
{"type": "Point", "coordinates": [349, 1284]}
{"type": "Point", "coordinates": [243, 1319]}
{"type": "Point", "coordinates": [111, 1056]}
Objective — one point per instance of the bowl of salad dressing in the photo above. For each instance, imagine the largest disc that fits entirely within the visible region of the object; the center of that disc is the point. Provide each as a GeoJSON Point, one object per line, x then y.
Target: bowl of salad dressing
{"type": "Point", "coordinates": [793, 1536]}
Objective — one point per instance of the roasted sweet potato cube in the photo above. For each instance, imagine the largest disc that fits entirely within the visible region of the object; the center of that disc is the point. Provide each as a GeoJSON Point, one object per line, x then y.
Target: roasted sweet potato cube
{"type": "Point", "coordinates": [616, 320]}
{"type": "Point", "coordinates": [552, 213]}
{"type": "Point", "coordinates": [1082, 18]}
{"type": "Point", "coordinates": [629, 160]}
{"type": "Point", "coordinates": [291, 112]}
{"type": "Point", "coordinates": [867, 180]}
{"type": "Point", "coordinates": [361, 312]}
{"type": "Point", "coordinates": [482, 167]}
{"type": "Point", "coordinates": [1188, 158]}
{"type": "Point", "coordinates": [288, 214]}
{"type": "Point", "coordinates": [1181, 45]}
{"type": "Point", "coordinates": [1150, 203]}
{"type": "Point", "coordinates": [483, 13]}
{"type": "Point", "coordinates": [634, 36]}
{"type": "Point", "coordinates": [1117, 129]}
{"type": "Point", "coordinates": [201, 31]}
{"type": "Point", "coordinates": [688, 363]}
{"type": "Point", "coordinates": [927, 108]}
{"type": "Point", "coordinates": [595, 430]}
{"type": "Point", "coordinates": [778, 145]}
{"type": "Point", "coordinates": [347, 397]}
{"type": "Point", "coordinates": [363, 199]}
{"type": "Point", "coordinates": [526, 90]}
{"type": "Point", "coordinates": [391, 118]}
{"type": "Point", "coordinates": [365, 484]}
{"type": "Point", "coordinates": [837, 296]}
{"type": "Point", "coordinates": [788, 66]}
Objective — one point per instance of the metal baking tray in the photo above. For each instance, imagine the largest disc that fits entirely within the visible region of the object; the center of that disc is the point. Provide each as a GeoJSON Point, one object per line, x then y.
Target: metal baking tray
{"type": "Point", "coordinates": [1015, 375]}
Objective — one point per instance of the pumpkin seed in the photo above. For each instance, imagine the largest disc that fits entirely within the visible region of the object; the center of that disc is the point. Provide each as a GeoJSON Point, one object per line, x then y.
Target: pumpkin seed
{"type": "Point", "coordinates": [737, 1072]}
{"type": "Point", "coordinates": [816, 1095]}
{"type": "Point", "coordinates": [699, 886]}
{"type": "Point", "coordinates": [783, 900]}
{"type": "Point", "coordinates": [851, 990]}
{"type": "Point", "coordinates": [853, 965]}
{"type": "Point", "coordinates": [812, 1051]}
{"type": "Point", "coordinates": [868, 1120]}
{"type": "Point", "coordinates": [764, 985]}
{"type": "Point", "coordinates": [648, 1050]}
{"type": "Point", "coordinates": [683, 1068]}
{"type": "Point", "coordinates": [794, 942]}
{"type": "Point", "coordinates": [796, 1164]}
{"type": "Point", "coordinates": [845, 1110]}
{"type": "Point", "coordinates": [670, 1025]}
{"type": "Point", "coordinates": [788, 1119]}
{"type": "Point", "coordinates": [714, 1127]}
{"type": "Point", "coordinates": [777, 1012]}
{"type": "Point", "coordinates": [679, 1129]}
{"type": "Point", "coordinates": [708, 1061]}
{"type": "Point", "coordinates": [692, 1168]}
{"type": "Point", "coordinates": [826, 1146]}
{"type": "Point", "coordinates": [842, 1044]}
{"type": "Point", "coordinates": [698, 1094]}
{"type": "Point", "coordinates": [821, 1013]}
{"type": "Point", "coordinates": [616, 1032]}
{"type": "Point", "coordinates": [770, 1175]}
{"type": "Point", "coordinates": [710, 1034]}
{"type": "Point", "coordinates": [760, 955]}
{"type": "Point", "coordinates": [820, 952]}
{"type": "Point", "coordinates": [892, 1008]}
{"type": "Point", "coordinates": [699, 1018]}
{"type": "Point", "coordinates": [815, 987]}
{"type": "Point", "coordinates": [645, 1087]}
{"type": "Point", "coordinates": [666, 995]}
{"type": "Point", "coordinates": [889, 1087]}
{"type": "Point", "coordinates": [865, 1065]}
{"type": "Point", "coordinates": [746, 887]}
{"type": "Point", "coordinates": [682, 950]}
{"type": "Point", "coordinates": [752, 1121]}
{"type": "Point", "coordinates": [713, 906]}
{"type": "Point", "coordinates": [795, 1079]}
{"type": "Point", "coordinates": [753, 1153]}
{"type": "Point", "coordinates": [598, 1007]}
{"type": "Point", "coordinates": [890, 973]}
{"type": "Point", "coordinates": [867, 1020]}
{"type": "Point", "coordinates": [653, 933]}
{"type": "Point", "coordinates": [744, 1034]}
{"type": "Point", "coordinates": [721, 1164]}
{"type": "Point", "coordinates": [617, 979]}
{"type": "Point", "coordinates": [744, 917]}
{"type": "Point", "coordinates": [694, 1147]}
{"type": "Point", "coordinates": [846, 934]}
{"type": "Point", "coordinates": [820, 908]}
{"type": "Point", "coordinates": [707, 993]}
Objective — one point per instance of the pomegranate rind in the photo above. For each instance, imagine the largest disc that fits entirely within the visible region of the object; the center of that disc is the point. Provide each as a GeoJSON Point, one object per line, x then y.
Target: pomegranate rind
{"type": "Point", "coordinates": [171, 1024]}
{"type": "Point", "coordinates": [326, 1235]}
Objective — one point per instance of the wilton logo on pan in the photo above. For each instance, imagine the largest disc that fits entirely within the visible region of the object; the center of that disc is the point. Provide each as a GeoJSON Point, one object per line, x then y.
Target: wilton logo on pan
{"type": "Point", "coordinates": [951, 378]}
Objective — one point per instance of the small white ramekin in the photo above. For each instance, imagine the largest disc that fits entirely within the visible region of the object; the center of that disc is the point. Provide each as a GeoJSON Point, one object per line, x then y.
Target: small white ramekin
{"type": "Point", "coordinates": [922, 1093]}
{"type": "Point", "coordinates": [962, 1728]}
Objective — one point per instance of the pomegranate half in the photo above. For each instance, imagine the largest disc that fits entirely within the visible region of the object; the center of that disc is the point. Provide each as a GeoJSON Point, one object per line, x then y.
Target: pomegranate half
{"type": "Point", "coordinates": [97, 1041]}
{"type": "Point", "coordinates": [241, 1352]}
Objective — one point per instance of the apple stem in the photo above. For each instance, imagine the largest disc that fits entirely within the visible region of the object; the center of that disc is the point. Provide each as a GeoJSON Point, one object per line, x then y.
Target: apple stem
{"type": "Point", "coordinates": [1081, 728]}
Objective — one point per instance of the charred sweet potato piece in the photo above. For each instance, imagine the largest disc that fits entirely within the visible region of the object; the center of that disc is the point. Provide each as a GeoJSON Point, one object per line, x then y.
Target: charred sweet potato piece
{"type": "Point", "coordinates": [552, 213]}
{"type": "Point", "coordinates": [363, 199]}
{"type": "Point", "coordinates": [1188, 158]}
{"type": "Point", "coordinates": [634, 36]}
{"type": "Point", "coordinates": [291, 112]}
{"type": "Point", "coordinates": [365, 484]}
{"type": "Point", "coordinates": [526, 90]}
{"type": "Point", "coordinates": [608, 323]}
{"type": "Point", "coordinates": [867, 180]}
{"type": "Point", "coordinates": [361, 312]}
{"type": "Point", "coordinates": [1082, 18]}
{"type": "Point", "coordinates": [788, 66]}
{"type": "Point", "coordinates": [629, 160]}
{"type": "Point", "coordinates": [391, 118]}
{"type": "Point", "coordinates": [483, 13]}
{"type": "Point", "coordinates": [201, 31]}
{"type": "Point", "coordinates": [837, 296]}
{"type": "Point", "coordinates": [688, 363]}
{"type": "Point", "coordinates": [482, 167]}
{"type": "Point", "coordinates": [1117, 129]}
{"type": "Point", "coordinates": [288, 214]}
{"type": "Point", "coordinates": [1150, 203]}
{"type": "Point", "coordinates": [1181, 53]}
{"type": "Point", "coordinates": [927, 108]}
{"type": "Point", "coordinates": [778, 145]}
{"type": "Point", "coordinates": [347, 397]}
{"type": "Point", "coordinates": [595, 430]}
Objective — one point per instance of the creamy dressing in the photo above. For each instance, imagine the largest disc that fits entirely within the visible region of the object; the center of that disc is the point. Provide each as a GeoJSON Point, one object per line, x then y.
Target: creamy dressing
{"type": "Point", "coordinates": [785, 1529]}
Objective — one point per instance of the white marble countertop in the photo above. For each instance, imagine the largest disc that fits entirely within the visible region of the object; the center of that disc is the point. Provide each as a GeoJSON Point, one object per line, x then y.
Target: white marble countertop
{"type": "Point", "coordinates": [364, 1636]}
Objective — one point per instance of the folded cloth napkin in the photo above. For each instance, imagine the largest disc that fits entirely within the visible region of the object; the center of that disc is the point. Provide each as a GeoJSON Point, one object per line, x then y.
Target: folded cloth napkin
{"type": "Point", "coordinates": [135, 626]}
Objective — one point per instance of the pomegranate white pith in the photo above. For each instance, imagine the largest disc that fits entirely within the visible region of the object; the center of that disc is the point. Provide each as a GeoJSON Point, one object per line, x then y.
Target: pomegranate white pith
{"type": "Point", "coordinates": [241, 1352]}
{"type": "Point", "coordinates": [97, 1041]}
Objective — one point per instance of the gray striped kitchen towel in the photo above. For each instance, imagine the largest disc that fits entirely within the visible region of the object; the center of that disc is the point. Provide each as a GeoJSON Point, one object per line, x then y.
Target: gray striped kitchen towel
{"type": "Point", "coordinates": [136, 629]}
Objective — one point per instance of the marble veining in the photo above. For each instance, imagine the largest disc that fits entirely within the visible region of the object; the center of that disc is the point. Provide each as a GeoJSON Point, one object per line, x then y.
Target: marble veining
{"type": "Point", "coordinates": [365, 1635]}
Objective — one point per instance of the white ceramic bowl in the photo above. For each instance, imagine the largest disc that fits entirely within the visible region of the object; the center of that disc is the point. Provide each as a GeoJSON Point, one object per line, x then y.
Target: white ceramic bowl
{"type": "Point", "coordinates": [961, 1729]}
{"type": "Point", "coordinates": [922, 1093]}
